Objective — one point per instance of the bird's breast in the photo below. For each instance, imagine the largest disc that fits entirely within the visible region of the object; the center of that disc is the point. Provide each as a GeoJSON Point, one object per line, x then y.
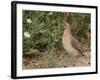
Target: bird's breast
{"type": "Point", "coordinates": [66, 40]}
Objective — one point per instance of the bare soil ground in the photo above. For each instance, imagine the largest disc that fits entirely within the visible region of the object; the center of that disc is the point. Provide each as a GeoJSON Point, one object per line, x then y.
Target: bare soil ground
{"type": "Point", "coordinates": [59, 60]}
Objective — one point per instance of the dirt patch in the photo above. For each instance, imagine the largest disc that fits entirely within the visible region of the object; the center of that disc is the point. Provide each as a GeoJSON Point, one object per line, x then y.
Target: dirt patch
{"type": "Point", "coordinates": [59, 59]}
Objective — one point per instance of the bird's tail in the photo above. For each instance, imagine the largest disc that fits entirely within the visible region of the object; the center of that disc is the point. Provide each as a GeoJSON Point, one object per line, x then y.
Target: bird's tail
{"type": "Point", "coordinates": [86, 50]}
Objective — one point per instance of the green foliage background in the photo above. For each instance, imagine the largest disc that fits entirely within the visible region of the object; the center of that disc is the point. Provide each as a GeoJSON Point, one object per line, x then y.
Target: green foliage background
{"type": "Point", "coordinates": [46, 29]}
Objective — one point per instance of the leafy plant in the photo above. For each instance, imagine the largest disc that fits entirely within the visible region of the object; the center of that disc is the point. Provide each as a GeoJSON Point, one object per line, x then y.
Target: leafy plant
{"type": "Point", "coordinates": [43, 31]}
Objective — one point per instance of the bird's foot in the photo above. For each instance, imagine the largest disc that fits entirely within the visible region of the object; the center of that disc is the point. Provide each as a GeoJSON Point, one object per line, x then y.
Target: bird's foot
{"type": "Point", "coordinates": [81, 55]}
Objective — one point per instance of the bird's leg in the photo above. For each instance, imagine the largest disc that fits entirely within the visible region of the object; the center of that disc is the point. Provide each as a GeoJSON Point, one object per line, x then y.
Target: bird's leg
{"type": "Point", "coordinates": [71, 60]}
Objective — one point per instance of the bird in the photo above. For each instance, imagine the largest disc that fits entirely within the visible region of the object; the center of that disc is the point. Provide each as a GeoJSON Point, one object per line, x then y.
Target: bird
{"type": "Point", "coordinates": [71, 45]}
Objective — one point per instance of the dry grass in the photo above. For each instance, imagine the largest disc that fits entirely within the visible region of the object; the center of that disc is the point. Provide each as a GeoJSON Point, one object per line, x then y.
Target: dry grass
{"type": "Point", "coordinates": [59, 59]}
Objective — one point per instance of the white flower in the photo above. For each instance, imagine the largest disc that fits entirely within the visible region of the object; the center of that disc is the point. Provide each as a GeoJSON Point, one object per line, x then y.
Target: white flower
{"type": "Point", "coordinates": [27, 34]}
{"type": "Point", "coordinates": [29, 20]}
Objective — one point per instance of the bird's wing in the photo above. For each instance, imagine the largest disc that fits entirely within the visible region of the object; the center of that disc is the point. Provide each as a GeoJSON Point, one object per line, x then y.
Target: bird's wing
{"type": "Point", "coordinates": [76, 44]}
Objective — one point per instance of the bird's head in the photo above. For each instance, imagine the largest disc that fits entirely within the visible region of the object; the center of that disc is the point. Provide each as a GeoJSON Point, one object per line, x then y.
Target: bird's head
{"type": "Point", "coordinates": [66, 27]}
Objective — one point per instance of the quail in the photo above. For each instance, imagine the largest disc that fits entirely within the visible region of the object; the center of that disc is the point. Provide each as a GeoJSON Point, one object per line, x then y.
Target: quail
{"type": "Point", "coordinates": [70, 43]}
